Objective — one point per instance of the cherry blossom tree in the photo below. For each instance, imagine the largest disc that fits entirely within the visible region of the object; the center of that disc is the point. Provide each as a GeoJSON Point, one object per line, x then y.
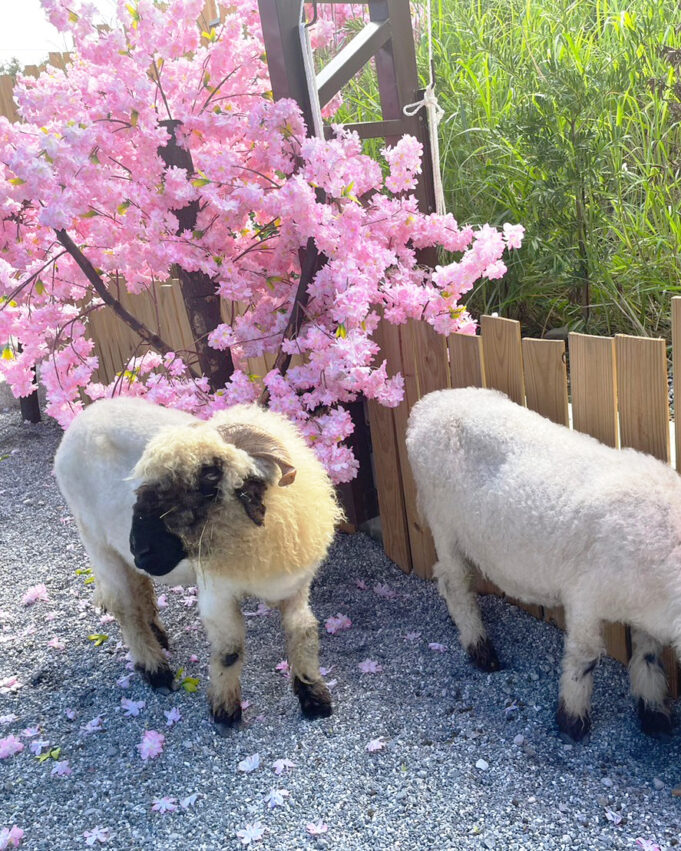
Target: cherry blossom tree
{"type": "Point", "coordinates": [158, 152]}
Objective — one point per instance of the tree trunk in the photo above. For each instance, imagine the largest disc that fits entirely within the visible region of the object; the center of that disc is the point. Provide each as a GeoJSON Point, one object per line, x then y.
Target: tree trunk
{"type": "Point", "coordinates": [198, 290]}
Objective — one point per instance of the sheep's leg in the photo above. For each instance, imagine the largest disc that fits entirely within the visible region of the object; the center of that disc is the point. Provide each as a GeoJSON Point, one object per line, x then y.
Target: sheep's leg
{"type": "Point", "coordinates": [583, 647]}
{"type": "Point", "coordinates": [453, 576]}
{"type": "Point", "coordinates": [130, 597]}
{"type": "Point", "coordinates": [226, 631]}
{"type": "Point", "coordinates": [649, 684]}
{"type": "Point", "coordinates": [302, 648]}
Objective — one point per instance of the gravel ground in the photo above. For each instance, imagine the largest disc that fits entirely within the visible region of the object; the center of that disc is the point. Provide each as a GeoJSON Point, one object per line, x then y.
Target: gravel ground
{"type": "Point", "coordinates": [470, 760]}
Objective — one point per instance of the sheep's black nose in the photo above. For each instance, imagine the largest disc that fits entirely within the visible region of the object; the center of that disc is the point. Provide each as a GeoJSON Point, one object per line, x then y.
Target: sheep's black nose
{"type": "Point", "coordinates": [155, 550]}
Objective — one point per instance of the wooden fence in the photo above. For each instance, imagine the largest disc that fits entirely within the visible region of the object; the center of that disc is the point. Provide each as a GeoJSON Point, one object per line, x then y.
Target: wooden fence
{"type": "Point", "coordinates": [619, 393]}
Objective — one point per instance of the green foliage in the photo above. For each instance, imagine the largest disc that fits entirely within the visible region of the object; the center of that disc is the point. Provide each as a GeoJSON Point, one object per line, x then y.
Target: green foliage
{"type": "Point", "coordinates": [564, 116]}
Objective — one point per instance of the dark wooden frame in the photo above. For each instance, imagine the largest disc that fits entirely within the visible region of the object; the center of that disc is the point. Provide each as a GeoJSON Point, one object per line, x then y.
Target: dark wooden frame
{"type": "Point", "coordinates": [388, 39]}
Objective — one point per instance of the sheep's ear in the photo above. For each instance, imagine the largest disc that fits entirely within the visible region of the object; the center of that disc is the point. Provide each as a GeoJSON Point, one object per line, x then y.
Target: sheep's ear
{"type": "Point", "coordinates": [251, 495]}
{"type": "Point", "coordinates": [263, 447]}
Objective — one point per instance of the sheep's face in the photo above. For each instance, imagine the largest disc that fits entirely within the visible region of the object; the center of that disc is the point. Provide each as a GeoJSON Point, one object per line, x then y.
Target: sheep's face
{"type": "Point", "coordinates": [194, 476]}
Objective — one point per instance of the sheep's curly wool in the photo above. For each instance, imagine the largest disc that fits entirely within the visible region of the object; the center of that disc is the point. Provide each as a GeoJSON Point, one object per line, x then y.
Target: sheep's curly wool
{"type": "Point", "coordinates": [552, 517]}
{"type": "Point", "coordinates": [252, 505]}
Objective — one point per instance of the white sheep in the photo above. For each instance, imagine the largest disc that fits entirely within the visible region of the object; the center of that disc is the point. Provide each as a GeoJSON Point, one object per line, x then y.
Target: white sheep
{"type": "Point", "coordinates": [553, 517]}
{"type": "Point", "coordinates": [238, 505]}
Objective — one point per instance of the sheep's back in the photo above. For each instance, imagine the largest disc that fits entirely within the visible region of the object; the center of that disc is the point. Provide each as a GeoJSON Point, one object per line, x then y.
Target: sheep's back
{"type": "Point", "coordinates": [538, 506]}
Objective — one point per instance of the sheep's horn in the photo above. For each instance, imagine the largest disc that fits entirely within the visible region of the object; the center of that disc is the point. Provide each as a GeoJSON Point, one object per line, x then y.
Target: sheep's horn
{"type": "Point", "coordinates": [261, 445]}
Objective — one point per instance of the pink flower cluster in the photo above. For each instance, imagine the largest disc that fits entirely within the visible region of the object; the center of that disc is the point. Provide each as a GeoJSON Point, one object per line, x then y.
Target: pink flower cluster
{"type": "Point", "coordinates": [85, 159]}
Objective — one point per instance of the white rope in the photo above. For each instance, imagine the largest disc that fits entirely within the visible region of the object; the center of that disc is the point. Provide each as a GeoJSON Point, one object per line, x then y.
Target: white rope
{"type": "Point", "coordinates": [434, 115]}
{"type": "Point", "coordinates": [310, 76]}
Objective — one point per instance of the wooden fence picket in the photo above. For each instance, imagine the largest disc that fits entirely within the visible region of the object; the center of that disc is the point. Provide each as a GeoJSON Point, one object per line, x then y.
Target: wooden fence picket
{"type": "Point", "coordinates": [465, 360]}
{"type": "Point", "coordinates": [594, 411]}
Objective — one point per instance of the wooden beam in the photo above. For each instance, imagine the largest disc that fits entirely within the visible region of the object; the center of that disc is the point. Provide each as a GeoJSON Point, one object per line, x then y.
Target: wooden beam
{"type": "Point", "coordinates": [354, 56]}
{"type": "Point", "coordinates": [369, 129]}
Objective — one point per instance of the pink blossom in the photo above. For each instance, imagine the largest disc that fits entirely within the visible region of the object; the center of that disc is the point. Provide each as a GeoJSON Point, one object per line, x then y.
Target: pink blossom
{"type": "Point", "coordinates": [10, 685]}
{"type": "Point", "coordinates": [61, 768]}
{"type": "Point", "coordinates": [56, 643]}
{"type": "Point", "coordinates": [283, 667]}
{"type": "Point", "coordinates": [438, 648]}
{"type": "Point", "coordinates": [361, 584]}
{"type": "Point", "coordinates": [189, 801]}
{"type": "Point", "coordinates": [384, 590]}
{"type": "Point", "coordinates": [251, 833]}
{"type": "Point", "coordinates": [162, 601]}
{"type": "Point", "coordinates": [255, 192]}
{"type": "Point", "coordinates": [164, 805]}
{"type": "Point", "coordinates": [172, 716]}
{"type": "Point", "coordinates": [35, 594]}
{"type": "Point", "coordinates": [36, 746]}
{"type": "Point", "coordinates": [337, 623]}
{"type": "Point", "coordinates": [376, 745]}
{"type": "Point", "coordinates": [132, 707]}
{"type": "Point", "coordinates": [97, 834]}
{"type": "Point", "coordinates": [9, 746]}
{"type": "Point", "coordinates": [124, 682]}
{"type": "Point", "coordinates": [10, 836]}
{"type": "Point", "coordinates": [94, 726]}
{"type": "Point", "coordinates": [276, 798]}
{"type": "Point", "coordinates": [249, 764]}
{"type": "Point", "coordinates": [647, 844]}
{"type": "Point", "coordinates": [151, 745]}
{"type": "Point", "coordinates": [30, 732]}
{"type": "Point", "coordinates": [279, 766]}
{"type": "Point", "coordinates": [368, 666]}
{"type": "Point", "coordinates": [317, 829]}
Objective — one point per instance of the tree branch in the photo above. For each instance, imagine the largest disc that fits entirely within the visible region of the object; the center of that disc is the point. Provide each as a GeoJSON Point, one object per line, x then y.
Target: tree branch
{"type": "Point", "coordinates": [100, 288]}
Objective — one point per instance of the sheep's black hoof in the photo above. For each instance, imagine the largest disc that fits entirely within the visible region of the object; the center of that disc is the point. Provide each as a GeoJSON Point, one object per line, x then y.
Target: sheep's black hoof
{"type": "Point", "coordinates": [161, 680]}
{"type": "Point", "coordinates": [573, 728]}
{"type": "Point", "coordinates": [484, 656]}
{"type": "Point", "coordinates": [315, 698]}
{"type": "Point", "coordinates": [226, 721]}
{"type": "Point", "coordinates": [654, 722]}
{"type": "Point", "coordinates": [160, 634]}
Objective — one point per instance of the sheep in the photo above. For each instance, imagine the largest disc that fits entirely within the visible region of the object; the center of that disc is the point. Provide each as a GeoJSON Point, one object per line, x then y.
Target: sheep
{"type": "Point", "coordinates": [552, 517]}
{"type": "Point", "coordinates": [237, 505]}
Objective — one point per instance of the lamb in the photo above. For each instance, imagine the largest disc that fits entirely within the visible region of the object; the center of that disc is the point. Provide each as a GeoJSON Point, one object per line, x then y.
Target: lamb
{"type": "Point", "coordinates": [552, 517]}
{"type": "Point", "coordinates": [238, 505]}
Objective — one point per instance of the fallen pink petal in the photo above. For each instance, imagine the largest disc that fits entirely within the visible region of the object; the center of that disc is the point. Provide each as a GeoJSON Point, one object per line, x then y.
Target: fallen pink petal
{"type": "Point", "coordinates": [35, 594]}
{"type": "Point", "coordinates": [9, 746]}
{"type": "Point", "coordinates": [151, 745]}
{"type": "Point", "coordinates": [10, 837]}
{"type": "Point", "coordinates": [369, 666]}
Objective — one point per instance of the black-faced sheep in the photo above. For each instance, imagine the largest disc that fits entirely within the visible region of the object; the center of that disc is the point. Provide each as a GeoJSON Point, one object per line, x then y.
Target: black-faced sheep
{"type": "Point", "coordinates": [238, 505]}
{"type": "Point", "coordinates": [552, 517]}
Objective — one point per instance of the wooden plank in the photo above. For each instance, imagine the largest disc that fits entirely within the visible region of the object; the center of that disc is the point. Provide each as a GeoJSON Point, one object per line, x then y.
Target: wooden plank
{"type": "Point", "coordinates": [594, 412]}
{"type": "Point", "coordinates": [676, 369]}
{"type": "Point", "coordinates": [7, 106]}
{"type": "Point", "coordinates": [465, 360]}
{"type": "Point", "coordinates": [388, 471]}
{"type": "Point", "coordinates": [430, 358]}
{"type": "Point", "coordinates": [546, 378]}
{"type": "Point", "coordinates": [399, 349]}
{"type": "Point", "coordinates": [502, 356]}
{"type": "Point", "coordinates": [642, 394]}
{"type": "Point", "coordinates": [643, 399]}
{"type": "Point", "coordinates": [593, 385]}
